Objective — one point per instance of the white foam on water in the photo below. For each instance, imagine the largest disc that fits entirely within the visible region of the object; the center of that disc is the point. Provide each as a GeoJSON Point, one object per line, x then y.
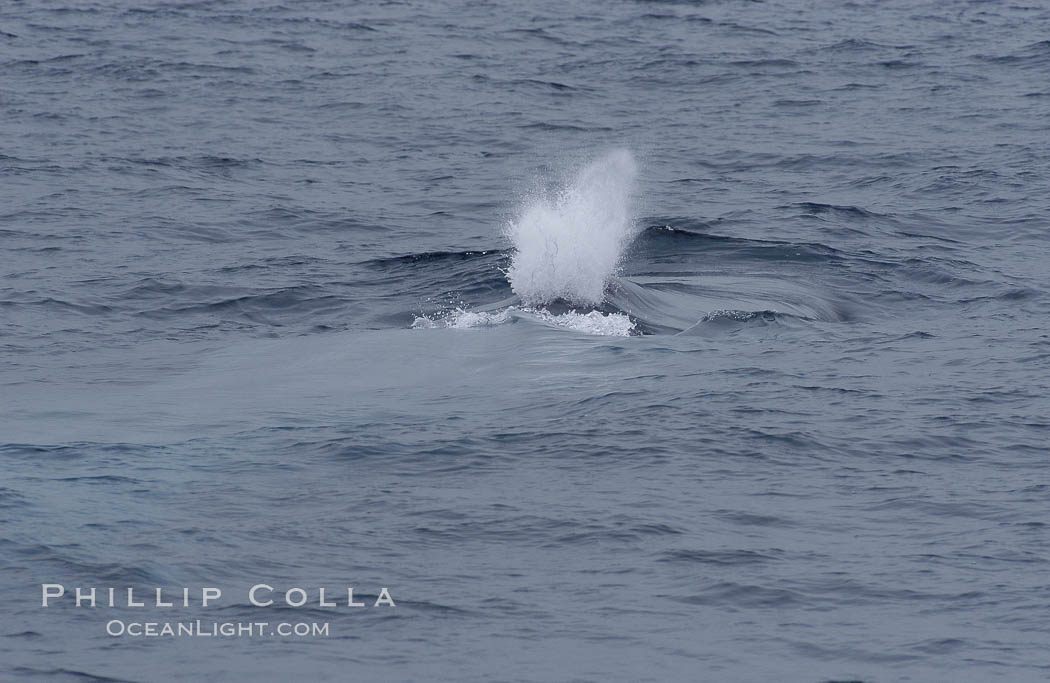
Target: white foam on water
{"type": "Point", "coordinates": [463, 319]}
{"type": "Point", "coordinates": [592, 322]}
{"type": "Point", "coordinates": [568, 245]}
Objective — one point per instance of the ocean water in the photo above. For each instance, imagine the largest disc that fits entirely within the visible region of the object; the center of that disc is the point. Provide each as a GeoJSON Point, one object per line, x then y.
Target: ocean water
{"type": "Point", "coordinates": [617, 340]}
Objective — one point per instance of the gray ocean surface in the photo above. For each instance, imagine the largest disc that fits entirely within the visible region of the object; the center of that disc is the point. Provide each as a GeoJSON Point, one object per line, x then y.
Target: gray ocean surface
{"type": "Point", "coordinates": [258, 325]}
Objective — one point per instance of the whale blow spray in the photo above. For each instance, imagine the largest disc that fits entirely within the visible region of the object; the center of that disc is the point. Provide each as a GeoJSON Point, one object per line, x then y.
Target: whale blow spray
{"type": "Point", "coordinates": [568, 245]}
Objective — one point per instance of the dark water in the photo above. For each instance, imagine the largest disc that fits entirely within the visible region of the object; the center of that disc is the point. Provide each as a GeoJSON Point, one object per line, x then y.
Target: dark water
{"type": "Point", "coordinates": [255, 327]}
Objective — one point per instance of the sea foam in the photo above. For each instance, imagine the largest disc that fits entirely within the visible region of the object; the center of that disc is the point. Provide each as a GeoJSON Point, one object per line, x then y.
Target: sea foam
{"type": "Point", "coordinates": [567, 245]}
{"type": "Point", "coordinates": [592, 322]}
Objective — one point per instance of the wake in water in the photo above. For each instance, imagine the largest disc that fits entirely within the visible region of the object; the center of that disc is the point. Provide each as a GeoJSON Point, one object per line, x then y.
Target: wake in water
{"type": "Point", "coordinates": [568, 246]}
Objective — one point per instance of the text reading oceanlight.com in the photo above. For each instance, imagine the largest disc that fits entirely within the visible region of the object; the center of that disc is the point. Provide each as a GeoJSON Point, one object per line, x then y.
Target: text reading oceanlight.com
{"type": "Point", "coordinates": [227, 629]}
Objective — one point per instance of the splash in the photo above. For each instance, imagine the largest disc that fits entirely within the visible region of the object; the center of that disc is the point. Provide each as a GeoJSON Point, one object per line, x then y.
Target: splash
{"type": "Point", "coordinates": [463, 319]}
{"type": "Point", "coordinates": [567, 246]}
